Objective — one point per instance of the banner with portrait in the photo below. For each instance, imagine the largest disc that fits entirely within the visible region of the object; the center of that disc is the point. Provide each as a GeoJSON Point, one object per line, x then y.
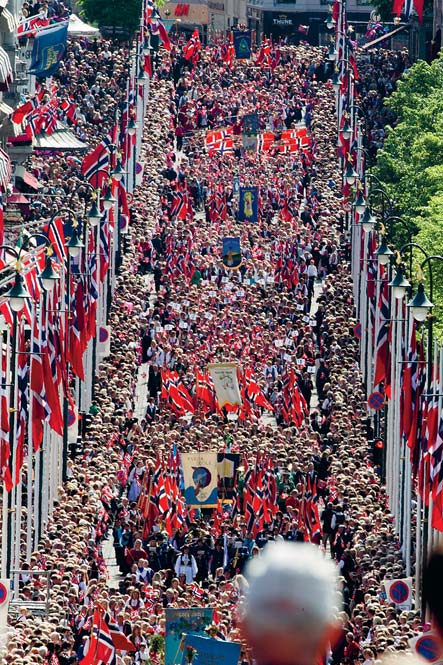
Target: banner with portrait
{"type": "Point", "coordinates": [225, 380]}
{"type": "Point", "coordinates": [200, 479]}
{"type": "Point", "coordinates": [248, 204]}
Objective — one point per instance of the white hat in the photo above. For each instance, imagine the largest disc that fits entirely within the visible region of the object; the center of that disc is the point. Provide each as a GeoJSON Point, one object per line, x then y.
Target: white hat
{"type": "Point", "coordinates": [293, 586]}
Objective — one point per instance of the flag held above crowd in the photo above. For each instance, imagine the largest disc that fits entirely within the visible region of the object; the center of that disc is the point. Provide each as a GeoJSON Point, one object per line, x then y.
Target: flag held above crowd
{"type": "Point", "coordinates": [200, 479]}
{"type": "Point", "coordinates": [48, 50]}
{"type": "Point", "coordinates": [225, 380]}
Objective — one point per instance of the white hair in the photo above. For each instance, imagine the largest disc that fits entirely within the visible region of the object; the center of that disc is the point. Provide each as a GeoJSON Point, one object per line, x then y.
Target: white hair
{"type": "Point", "coordinates": [291, 587]}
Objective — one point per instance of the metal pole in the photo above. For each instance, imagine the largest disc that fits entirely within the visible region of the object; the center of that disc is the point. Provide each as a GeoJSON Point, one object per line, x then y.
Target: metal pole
{"type": "Point", "coordinates": [65, 397]}
{"type": "Point", "coordinates": [12, 438]}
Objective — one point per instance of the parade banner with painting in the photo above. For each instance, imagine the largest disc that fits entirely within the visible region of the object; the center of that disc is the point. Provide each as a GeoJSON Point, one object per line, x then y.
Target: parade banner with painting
{"type": "Point", "coordinates": [200, 479]}
{"type": "Point", "coordinates": [179, 622]}
{"type": "Point", "coordinates": [250, 129]}
{"type": "Point", "coordinates": [225, 380]}
{"type": "Point", "coordinates": [242, 44]}
{"type": "Point", "coordinates": [231, 253]}
{"type": "Point", "coordinates": [207, 651]}
{"type": "Point", "coordinates": [399, 592]}
{"type": "Point", "coordinates": [248, 204]}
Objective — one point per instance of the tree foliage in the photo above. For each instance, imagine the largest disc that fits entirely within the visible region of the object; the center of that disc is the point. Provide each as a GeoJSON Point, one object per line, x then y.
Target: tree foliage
{"type": "Point", "coordinates": [410, 165]}
{"type": "Point", "coordinates": [114, 14]}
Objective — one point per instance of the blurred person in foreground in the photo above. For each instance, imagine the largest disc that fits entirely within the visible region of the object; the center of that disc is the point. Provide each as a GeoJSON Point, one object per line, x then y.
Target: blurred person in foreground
{"type": "Point", "coordinates": [291, 606]}
{"type": "Point", "coordinates": [433, 589]}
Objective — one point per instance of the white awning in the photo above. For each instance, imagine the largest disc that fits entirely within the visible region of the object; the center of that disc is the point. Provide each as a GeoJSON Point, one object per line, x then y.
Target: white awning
{"type": "Point", "coordinates": [5, 170]}
{"type": "Point", "coordinates": [62, 140]}
{"type": "Point", "coordinates": [78, 27]}
{"type": "Point", "coordinates": [8, 21]}
{"type": "Point", "coordinates": [5, 109]}
{"type": "Point", "coordinates": [5, 70]}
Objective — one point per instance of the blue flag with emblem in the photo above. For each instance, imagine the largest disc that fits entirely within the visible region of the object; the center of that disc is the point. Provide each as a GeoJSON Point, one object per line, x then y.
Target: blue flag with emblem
{"type": "Point", "coordinates": [49, 48]}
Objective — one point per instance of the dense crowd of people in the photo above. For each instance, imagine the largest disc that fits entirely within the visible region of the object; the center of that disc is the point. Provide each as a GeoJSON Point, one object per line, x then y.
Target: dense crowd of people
{"type": "Point", "coordinates": [177, 307]}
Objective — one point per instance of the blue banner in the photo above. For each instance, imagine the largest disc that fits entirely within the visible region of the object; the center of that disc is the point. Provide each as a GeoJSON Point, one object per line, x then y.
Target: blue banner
{"type": "Point", "coordinates": [49, 48]}
{"type": "Point", "coordinates": [250, 124]}
{"type": "Point", "coordinates": [210, 651]}
{"type": "Point", "coordinates": [248, 204]}
{"type": "Point", "coordinates": [190, 621]}
{"type": "Point", "coordinates": [231, 253]}
{"type": "Point", "coordinates": [242, 44]}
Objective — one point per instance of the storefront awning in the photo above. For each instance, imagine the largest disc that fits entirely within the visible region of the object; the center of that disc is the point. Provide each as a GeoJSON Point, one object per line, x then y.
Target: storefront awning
{"type": "Point", "coordinates": [17, 198]}
{"type": "Point", "coordinates": [5, 170]}
{"type": "Point", "coordinates": [62, 140]}
{"type": "Point", "coordinates": [388, 35]}
{"type": "Point", "coordinates": [8, 21]}
{"type": "Point", "coordinates": [28, 178]}
{"type": "Point", "coordinates": [5, 109]}
{"type": "Point", "coordinates": [5, 70]}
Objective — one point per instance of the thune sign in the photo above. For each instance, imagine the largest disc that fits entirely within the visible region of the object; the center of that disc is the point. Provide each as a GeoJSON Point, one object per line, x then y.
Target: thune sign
{"type": "Point", "coordinates": [282, 20]}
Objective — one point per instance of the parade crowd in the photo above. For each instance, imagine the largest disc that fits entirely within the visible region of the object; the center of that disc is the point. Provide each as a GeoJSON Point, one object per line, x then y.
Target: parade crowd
{"type": "Point", "coordinates": [287, 310]}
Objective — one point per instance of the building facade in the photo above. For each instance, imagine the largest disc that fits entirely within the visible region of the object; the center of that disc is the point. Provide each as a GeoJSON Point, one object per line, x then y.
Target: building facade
{"type": "Point", "coordinates": [301, 20]}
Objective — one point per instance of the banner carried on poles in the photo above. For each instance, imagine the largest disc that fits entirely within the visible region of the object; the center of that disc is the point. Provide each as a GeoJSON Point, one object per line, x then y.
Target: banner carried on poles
{"type": "Point", "coordinates": [224, 377]}
{"type": "Point", "coordinates": [200, 479]}
{"type": "Point", "coordinates": [48, 50]}
{"type": "Point", "coordinates": [231, 253]}
{"type": "Point", "coordinates": [211, 652]}
{"type": "Point", "coordinates": [242, 44]}
{"type": "Point", "coordinates": [248, 204]}
{"type": "Point", "coordinates": [179, 622]}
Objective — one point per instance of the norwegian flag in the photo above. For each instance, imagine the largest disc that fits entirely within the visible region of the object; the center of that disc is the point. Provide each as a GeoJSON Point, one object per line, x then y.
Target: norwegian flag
{"type": "Point", "coordinates": [382, 354]}
{"type": "Point", "coordinates": [22, 399]}
{"type": "Point", "coordinates": [22, 112]}
{"type": "Point", "coordinates": [178, 205]}
{"type": "Point", "coordinates": [101, 650]}
{"type": "Point", "coordinates": [56, 235]}
{"type": "Point", "coordinates": [265, 141]}
{"type": "Point", "coordinates": [192, 49]}
{"type": "Point", "coordinates": [197, 591]}
{"type": "Point", "coordinates": [29, 27]}
{"type": "Point", "coordinates": [104, 247]}
{"type": "Point", "coordinates": [69, 110]}
{"type": "Point", "coordinates": [40, 409]}
{"type": "Point", "coordinates": [5, 450]}
{"type": "Point", "coordinates": [95, 166]}
{"type": "Point", "coordinates": [216, 139]}
{"type": "Point", "coordinates": [204, 389]}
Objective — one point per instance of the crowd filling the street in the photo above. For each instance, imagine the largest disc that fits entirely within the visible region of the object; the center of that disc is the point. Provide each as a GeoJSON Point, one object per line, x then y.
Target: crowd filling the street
{"type": "Point", "coordinates": [121, 539]}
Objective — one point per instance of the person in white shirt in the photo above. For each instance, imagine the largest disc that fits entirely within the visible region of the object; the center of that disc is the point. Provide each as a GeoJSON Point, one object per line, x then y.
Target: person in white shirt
{"type": "Point", "coordinates": [187, 565]}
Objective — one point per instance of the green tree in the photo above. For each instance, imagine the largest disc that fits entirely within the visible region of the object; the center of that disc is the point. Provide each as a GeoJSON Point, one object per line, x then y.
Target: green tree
{"type": "Point", "coordinates": [410, 166]}
{"type": "Point", "coordinates": [124, 17]}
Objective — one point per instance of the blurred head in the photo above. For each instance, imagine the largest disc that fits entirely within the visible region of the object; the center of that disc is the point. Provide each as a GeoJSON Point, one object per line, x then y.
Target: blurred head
{"type": "Point", "coordinates": [290, 610]}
